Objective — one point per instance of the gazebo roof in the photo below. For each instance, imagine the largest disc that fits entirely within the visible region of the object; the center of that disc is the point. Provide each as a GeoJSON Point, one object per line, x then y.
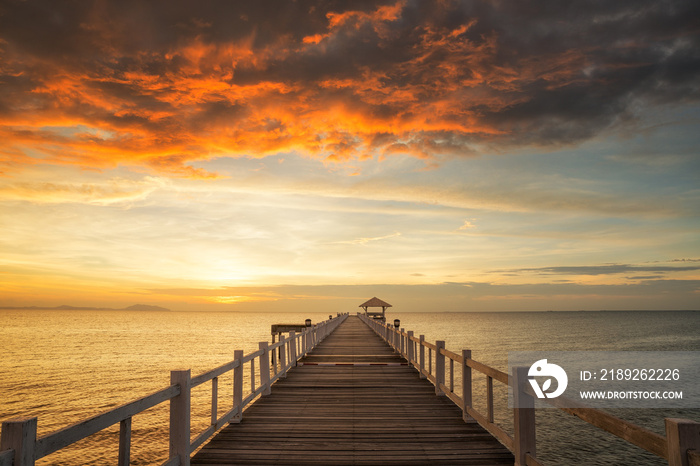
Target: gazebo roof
{"type": "Point", "coordinates": [375, 302]}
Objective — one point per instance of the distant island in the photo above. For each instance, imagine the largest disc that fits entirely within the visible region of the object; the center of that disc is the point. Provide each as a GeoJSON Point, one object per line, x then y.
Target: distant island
{"type": "Point", "coordinates": [135, 307]}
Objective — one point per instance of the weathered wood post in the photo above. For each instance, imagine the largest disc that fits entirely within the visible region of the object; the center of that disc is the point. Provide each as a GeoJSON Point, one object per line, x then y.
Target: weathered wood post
{"type": "Point", "coordinates": [302, 350]}
{"type": "Point", "coordinates": [681, 435]}
{"type": "Point", "coordinates": [283, 357]}
{"type": "Point", "coordinates": [409, 342]}
{"type": "Point", "coordinates": [265, 368]}
{"type": "Point", "coordinates": [466, 382]}
{"type": "Point", "coordinates": [403, 345]}
{"type": "Point", "coordinates": [292, 348]}
{"type": "Point", "coordinates": [180, 417]}
{"type": "Point", "coordinates": [124, 458]}
{"type": "Point", "coordinates": [19, 434]}
{"type": "Point", "coordinates": [252, 375]}
{"type": "Point", "coordinates": [523, 417]}
{"type": "Point", "coordinates": [422, 356]}
{"type": "Point", "coordinates": [274, 355]}
{"type": "Point", "coordinates": [489, 398]}
{"type": "Point", "coordinates": [214, 400]}
{"type": "Point", "coordinates": [439, 367]}
{"type": "Point", "coordinates": [238, 386]}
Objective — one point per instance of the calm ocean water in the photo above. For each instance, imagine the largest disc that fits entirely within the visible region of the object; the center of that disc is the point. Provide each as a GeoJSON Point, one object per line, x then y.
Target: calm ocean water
{"type": "Point", "coordinates": [64, 366]}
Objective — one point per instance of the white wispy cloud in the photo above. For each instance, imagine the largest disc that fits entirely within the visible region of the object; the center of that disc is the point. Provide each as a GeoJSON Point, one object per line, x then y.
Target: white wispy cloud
{"type": "Point", "coordinates": [368, 240]}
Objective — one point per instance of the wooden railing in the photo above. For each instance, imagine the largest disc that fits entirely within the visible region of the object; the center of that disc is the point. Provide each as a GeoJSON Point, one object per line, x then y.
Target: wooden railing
{"type": "Point", "coordinates": [680, 446]}
{"type": "Point", "coordinates": [19, 445]}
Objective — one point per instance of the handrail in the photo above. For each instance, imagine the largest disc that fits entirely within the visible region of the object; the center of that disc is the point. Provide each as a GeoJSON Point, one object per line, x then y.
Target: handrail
{"type": "Point", "coordinates": [672, 447]}
{"type": "Point", "coordinates": [251, 356]}
{"type": "Point", "coordinates": [207, 376]}
{"type": "Point", "coordinates": [78, 431]}
{"type": "Point", "coordinates": [639, 436]}
{"type": "Point", "coordinates": [489, 371]}
{"type": "Point", "coordinates": [429, 345]}
{"type": "Point", "coordinates": [19, 434]}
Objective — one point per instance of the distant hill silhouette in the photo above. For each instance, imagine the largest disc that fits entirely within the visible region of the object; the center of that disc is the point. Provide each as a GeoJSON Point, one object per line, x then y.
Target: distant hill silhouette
{"type": "Point", "coordinates": [135, 307]}
{"type": "Point", "coordinates": [145, 307]}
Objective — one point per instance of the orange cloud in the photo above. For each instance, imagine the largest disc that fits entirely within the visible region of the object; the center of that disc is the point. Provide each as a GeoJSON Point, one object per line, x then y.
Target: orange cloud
{"type": "Point", "coordinates": [355, 82]}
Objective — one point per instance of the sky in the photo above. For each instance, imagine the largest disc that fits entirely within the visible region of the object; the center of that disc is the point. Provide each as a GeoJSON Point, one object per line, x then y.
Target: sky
{"type": "Point", "coordinates": [309, 155]}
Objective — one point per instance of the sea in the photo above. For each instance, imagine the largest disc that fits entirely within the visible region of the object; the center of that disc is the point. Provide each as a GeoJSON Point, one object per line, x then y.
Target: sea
{"type": "Point", "coordinates": [64, 366]}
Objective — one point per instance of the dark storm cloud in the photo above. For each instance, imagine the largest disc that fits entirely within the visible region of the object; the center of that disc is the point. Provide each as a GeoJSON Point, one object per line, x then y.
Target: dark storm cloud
{"type": "Point", "coordinates": [341, 79]}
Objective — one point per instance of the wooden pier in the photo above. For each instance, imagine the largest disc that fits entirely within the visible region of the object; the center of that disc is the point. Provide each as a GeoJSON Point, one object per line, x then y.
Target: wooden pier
{"type": "Point", "coordinates": [353, 400]}
{"type": "Point", "coordinates": [349, 390]}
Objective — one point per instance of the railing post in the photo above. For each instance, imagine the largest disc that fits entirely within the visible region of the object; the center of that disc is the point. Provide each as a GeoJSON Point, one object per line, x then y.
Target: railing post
{"type": "Point", "coordinates": [124, 458]}
{"type": "Point", "coordinates": [523, 417]}
{"type": "Point", "coordinates": [180, 417]}
{"type": "Point", "coordinates": [439, 367]}
{"type": "Point", "coordinates": [283, 357]}
{"type": "Point", "coordinates": [265, 367]}
{"type": "Point", "coordinates": [681, 435]}
{"type": "Point", "coordinates": [292, 348]}
{"type": "Point", "coordinates": [214, 400]}
{"type": "Point", "coordinates": [466, 382]}
{"type": "Point", "coordinates": [252, 375]}
{"type": "Point", "coordinates": [19, 434]}
{"type": "Point", "coordinates": [409, 342]}
{"type": "Point", "coordinates": [238, 386]}
{"type": "Point", "coordinates": [274, 356]}
{"type": "Point", "coordinates": [302, 350]}
{"type": "Point", "coordinates": [401, 339]}
{"type": "Point", "coordinates": [489, 398]}
{"type": "Point", "coordinates": [422, 356]}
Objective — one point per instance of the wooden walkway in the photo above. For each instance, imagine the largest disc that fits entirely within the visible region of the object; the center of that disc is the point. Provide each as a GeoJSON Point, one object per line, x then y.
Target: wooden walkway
{"type": "Point", "coordinates": [353, 401]}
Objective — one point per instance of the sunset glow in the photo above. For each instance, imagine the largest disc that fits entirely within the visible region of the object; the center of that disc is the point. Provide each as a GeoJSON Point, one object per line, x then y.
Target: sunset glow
{"type": "Point", "coordinates": [448, 156]}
